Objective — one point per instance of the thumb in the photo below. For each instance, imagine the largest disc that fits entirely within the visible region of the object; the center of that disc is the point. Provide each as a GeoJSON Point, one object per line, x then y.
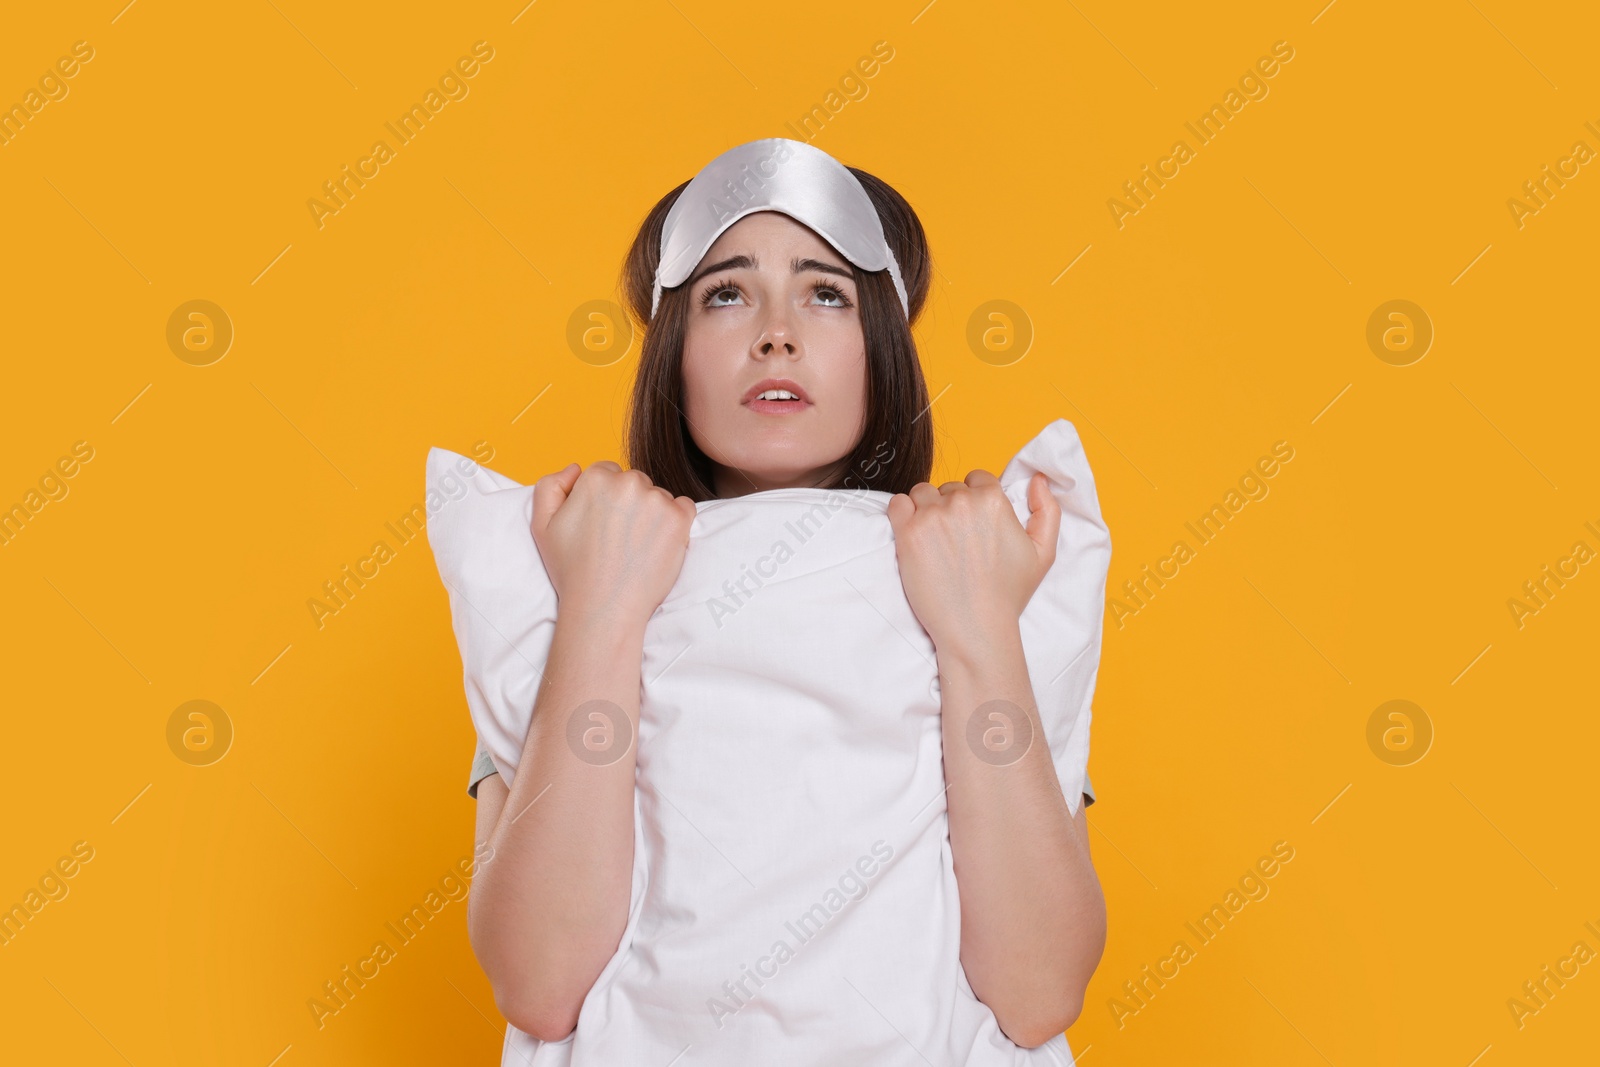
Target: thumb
{"type": "Point", "coordinates": [1044, 522]}
{"type": "Point", "coordinates": [687, 507]}
{"type": "Point", "coordinates": [901, 508]}
{"type": "Point", "coordinates": [550, 492]}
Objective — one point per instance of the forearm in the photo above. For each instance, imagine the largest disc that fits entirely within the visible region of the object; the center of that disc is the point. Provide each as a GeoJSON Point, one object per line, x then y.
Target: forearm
{"type": "Point", "coordinates": [1032, 913]}
{"type": "Point", "coordinates": [550, 910]}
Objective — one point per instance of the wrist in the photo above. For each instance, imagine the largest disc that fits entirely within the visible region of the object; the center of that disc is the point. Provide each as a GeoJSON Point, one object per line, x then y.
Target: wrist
{"type": "Point", "coordinates": [600, 624]}
{"type": "Point", "coordinates": [978, 642]}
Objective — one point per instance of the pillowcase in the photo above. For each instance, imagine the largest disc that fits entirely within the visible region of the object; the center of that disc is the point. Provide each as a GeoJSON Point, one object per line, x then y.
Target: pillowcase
{"type": "Point", "coordinates": [791, 838]}
{"type": "Point", "coordinates": [784, 594]}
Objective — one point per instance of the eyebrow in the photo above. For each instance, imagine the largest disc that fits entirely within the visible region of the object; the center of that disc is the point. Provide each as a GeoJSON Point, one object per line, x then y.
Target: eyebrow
{"type": "Point", "coordinates": [797, 265]}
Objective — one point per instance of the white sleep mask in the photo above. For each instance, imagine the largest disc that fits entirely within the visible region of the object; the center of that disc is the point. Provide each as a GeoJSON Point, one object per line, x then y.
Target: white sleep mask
{"type": "Point", "coordinates": [773, 174]}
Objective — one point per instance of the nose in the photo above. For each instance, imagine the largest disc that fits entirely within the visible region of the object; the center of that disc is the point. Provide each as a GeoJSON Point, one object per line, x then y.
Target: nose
{"type": "Point", "coordinates": [777, 336]}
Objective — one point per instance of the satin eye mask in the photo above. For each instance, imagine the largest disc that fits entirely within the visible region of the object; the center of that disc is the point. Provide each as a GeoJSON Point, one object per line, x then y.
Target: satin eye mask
{"type": "Point", "coordinates": [773, 174]}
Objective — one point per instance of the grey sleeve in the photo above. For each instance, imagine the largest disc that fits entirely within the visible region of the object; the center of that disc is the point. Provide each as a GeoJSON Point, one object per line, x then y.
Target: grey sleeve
{"type": "Point", "coordinates": [1088, 790]}
{"type": "Point", "coordinates": [482, 767]}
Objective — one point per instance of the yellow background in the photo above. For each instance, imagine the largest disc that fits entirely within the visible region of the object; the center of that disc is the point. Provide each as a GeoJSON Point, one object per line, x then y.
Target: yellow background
{"type": "Point", "coordinates": [1228, 314]}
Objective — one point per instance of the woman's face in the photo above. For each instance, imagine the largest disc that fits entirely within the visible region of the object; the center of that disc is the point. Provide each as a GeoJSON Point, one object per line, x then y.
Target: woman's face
{"type": "Point", "coordinates": [773, 301]}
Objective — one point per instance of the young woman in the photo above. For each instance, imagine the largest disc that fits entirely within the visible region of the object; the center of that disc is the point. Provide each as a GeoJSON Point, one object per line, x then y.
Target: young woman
{"type": "Point", "coordinates": [777, 363]}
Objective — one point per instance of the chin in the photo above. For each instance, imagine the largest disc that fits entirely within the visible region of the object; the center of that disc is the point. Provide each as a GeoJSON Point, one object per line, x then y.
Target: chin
{"type": "Point", "coordinates": [778, 472]}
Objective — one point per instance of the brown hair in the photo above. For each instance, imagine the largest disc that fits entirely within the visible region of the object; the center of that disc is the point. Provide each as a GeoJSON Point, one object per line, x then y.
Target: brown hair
{"type": "Point", "coordinates": [895, 450]}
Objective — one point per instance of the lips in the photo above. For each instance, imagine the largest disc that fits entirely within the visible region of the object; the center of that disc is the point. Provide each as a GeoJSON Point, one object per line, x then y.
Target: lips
{"type": "Point", "coordinates": [788, 384]}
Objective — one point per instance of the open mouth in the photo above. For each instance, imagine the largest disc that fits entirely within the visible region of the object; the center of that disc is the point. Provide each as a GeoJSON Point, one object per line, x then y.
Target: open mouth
{"type": "Point", "coordinates": [771, 399]}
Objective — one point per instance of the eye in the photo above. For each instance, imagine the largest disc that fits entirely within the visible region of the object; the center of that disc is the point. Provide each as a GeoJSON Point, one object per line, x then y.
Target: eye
{"type": "Point", "coordinates": [726, 293]}
{"type": "Point", "coordinates": [710, 296]}
{"type": "Point", "coordinates": [829, 291]}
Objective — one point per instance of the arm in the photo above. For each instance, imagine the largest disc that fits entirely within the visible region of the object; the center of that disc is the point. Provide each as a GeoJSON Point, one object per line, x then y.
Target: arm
{"type": "Point", "coordinates": [1032, 914]}
{"type": "Point", "coordinates": [1033, 920]}
{"type": "Point", "coordinates": [549, 911]}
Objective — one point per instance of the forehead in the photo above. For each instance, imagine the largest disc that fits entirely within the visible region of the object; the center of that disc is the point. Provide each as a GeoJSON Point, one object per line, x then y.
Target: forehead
{"type": "Point", "coordinates": [773, 238]}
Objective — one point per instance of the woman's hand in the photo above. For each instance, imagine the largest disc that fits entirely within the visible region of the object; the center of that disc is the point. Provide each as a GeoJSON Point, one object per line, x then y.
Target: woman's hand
{"type": "Point", "coordinates": [611, 540]}
{"type": "Point", "coordinates": [1027, 885]}
{"type": "Point", "coordinates": [966, 563]}
{"type": "Point", "coordinates": [547, 914]}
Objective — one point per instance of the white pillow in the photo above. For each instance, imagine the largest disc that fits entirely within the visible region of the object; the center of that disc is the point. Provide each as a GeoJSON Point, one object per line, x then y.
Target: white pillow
{"type": "Point", "coordinates": [782, 729]}
{"type": "Point", "coordinates": [504, 607]}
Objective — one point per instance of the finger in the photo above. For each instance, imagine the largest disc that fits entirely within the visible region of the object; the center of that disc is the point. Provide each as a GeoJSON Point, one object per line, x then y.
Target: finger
{"type": "Point", "coordinates": [901, 508]}
{"type": "Point", "coordinates": [981, 477]}
{"type": "Point", "coordinates": [611, 463]}
{"type": "Point", "coordinates": [1044, 520]}
{"type": "Point", "coordinates": [686, 506]}
{"type": "Point", "coordinates": [923, 494]}
{"type": "Point", "coordinates": [946, 488]}
{"type": "Point", "coordinates": [550, 492]}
